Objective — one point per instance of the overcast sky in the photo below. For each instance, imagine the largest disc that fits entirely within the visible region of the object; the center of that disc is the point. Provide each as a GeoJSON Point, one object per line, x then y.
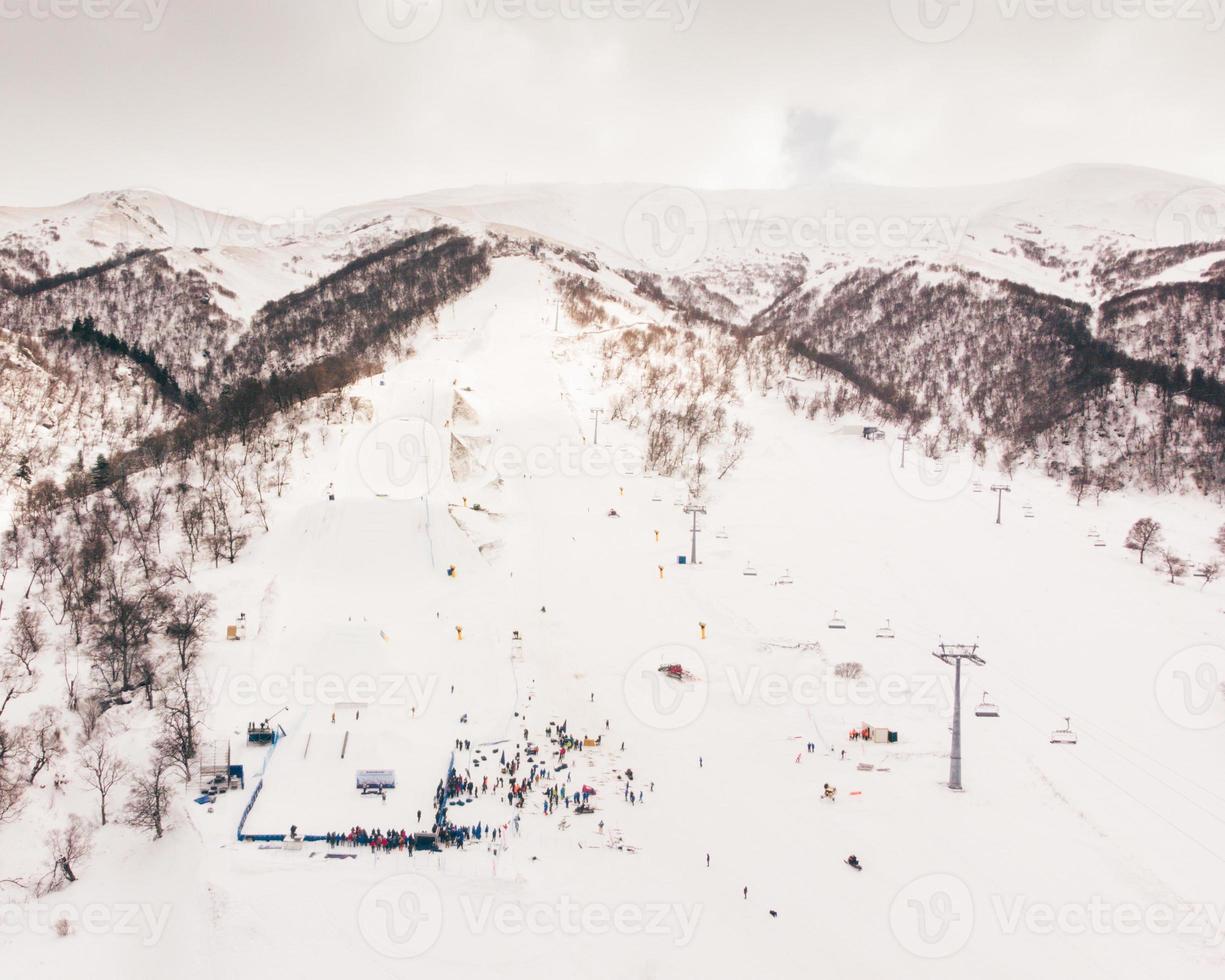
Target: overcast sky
{"type": "Point", "coordinates": [275, 107]}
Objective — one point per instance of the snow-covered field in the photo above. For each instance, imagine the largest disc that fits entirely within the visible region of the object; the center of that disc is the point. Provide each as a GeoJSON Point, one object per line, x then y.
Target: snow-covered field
{"type": "Point", "coordinates": [1099, 859]}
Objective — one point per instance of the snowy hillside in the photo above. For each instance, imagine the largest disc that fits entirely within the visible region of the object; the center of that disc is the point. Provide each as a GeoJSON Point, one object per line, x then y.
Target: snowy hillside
{"type": "Point", "coordinates": [463, 487]}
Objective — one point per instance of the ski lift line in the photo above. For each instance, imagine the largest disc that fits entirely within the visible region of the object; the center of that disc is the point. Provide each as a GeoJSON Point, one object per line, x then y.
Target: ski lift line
{"type": "Point", "coordinates": [1157, 778]}
{"type": "Point", "coordinates": [1079, 757]}
{"type": "Point", "coordinates": [1108, 733]}
{"type": "Point", "coordinates": [1050, 705]}
{"type": "Point", "coordinates": [1159, 764]}
{"type": "Point", "coordinates": [1144, 772]}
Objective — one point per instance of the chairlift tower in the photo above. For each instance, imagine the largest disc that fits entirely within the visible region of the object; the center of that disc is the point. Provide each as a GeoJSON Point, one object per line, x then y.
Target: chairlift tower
{"type": "Point", "coordinates": [955, 653]}
{"type": "Point", "coordinates": [595, 414]}
{"type": "Point", "coordinates": [999, 489]}
{"type": "Point", "coordinates": [694, 509]}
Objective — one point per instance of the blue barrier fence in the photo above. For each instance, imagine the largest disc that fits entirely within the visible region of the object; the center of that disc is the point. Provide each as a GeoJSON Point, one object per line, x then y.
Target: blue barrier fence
{"type": "Point", "coordinates": [246, 812]}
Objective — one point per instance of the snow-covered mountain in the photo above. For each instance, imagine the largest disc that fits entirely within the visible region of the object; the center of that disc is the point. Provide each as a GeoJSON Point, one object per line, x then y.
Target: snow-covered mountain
{"type": "Point", "coordinates": [404, 488]}
{"type": "Point", "coordinates": [1043, 231]}
{"type": "Point", "coordinates": [1119, 271]}
{"type": "Point", "coordinates": [442, 566]}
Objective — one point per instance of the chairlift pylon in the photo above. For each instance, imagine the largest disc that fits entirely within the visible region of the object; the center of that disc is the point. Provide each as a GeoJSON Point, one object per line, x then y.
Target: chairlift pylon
{"type": "Point", "coordinates": [1065, 735]}
{"type": "Point", "coordinates": [886, 632]}
{"type": "Point", "coordinates": [837, 623]}
{"type": "Point", "coordinates": [986, 709]}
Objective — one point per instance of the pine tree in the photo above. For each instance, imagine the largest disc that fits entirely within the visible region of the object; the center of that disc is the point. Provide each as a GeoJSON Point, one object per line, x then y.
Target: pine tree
{"type": "Point", "coordinates": [101, 472]}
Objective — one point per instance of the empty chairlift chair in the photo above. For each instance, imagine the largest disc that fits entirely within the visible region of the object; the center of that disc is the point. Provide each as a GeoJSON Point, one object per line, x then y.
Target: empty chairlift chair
{"type": "Point", "coordinates": [750, 571]}
{"type": "Point", "coordinates": [837, 623]}
{"type": "Point", "coordinates": [987, 709]}
{"type": "Point", "coordinates": [886, 631]}
{"type": "Point", "coordinates": [1065, 735]}
{"type": "Point", "coordinates": [722, 534]}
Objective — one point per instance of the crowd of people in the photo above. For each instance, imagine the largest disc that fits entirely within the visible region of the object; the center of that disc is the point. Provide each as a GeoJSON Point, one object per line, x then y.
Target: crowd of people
{"type": "Point", "coordinates": [376, 840]}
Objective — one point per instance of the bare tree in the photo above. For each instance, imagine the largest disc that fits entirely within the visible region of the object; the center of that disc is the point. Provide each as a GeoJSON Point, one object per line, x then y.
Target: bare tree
{"type": "Point", "coordinates": [1083, 478]}
{"type": "Point", "coordinates": [130, 613]}
{"type": "Point", "coordinates": [44, 741]}
{"type": "Point", "coordinates": [103, 771]}
{"type": "Point", "coordinates": [734, 453]}
{"type": "Point", "coordinates": [189, 617]}
{"type": "Point", "coordinates": [10, 553]}
{"type": "Point", "coordinates": [1209, 572]}
{"type": "Point", "coordinates": [149, 801]}
{"type": "Point", "coordinates": [65, 847]}
{"type": "Point", "coordinates": [1174, 566]}
{"type": "Point", "coordinates": [225, 537]}
{"type": "Point", "coordinates": [89, 710]}
{"type": "Point", "coordinates": [1108, 481]}
{"type": "Point", "coordinates": [27, 639]}
{"type": "Point", "coordinates": [12, 786]}
{"type": "Point", "coordinates": [14, 682]}
{"type": "Point", "coordinates": [1144, 534]}
{"type": "Point", "coordinates": [181, 724]}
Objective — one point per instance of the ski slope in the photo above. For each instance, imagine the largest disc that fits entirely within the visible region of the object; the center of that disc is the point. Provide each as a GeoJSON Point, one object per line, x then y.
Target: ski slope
{"type": "Point", "coordinates": [354, 592]}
